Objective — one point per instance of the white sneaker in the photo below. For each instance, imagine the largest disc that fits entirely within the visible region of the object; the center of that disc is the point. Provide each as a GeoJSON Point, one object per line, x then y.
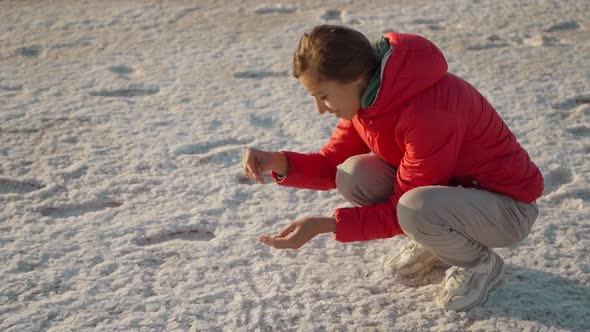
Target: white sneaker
{"type": "Point", "coordinates": [411, 259]}
{"type": "Point", "coordinates": [463, 289]}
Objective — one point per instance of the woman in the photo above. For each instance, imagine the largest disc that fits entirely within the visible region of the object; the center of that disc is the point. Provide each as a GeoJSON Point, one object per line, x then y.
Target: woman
{"type": "Point", "coordinates": [418, 151]}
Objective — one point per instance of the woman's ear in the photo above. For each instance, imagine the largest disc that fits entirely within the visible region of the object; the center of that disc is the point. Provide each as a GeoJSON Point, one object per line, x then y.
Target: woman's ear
{"type": "Point", "coordinates": [362, 81]}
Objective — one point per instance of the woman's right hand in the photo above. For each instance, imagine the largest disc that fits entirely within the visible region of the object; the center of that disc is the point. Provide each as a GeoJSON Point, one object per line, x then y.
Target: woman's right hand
{"type": "Point", "coordinates": [257, 163]}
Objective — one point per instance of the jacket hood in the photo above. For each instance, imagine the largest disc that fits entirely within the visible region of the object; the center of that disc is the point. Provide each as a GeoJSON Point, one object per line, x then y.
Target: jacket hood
{"type": "Point", "coordinates": [413, 65]}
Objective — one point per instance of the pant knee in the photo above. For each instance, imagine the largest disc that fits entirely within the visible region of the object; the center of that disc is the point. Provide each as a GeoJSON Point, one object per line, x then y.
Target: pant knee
{"type": "Point", "coordinates": [412, 210]}
{"type": "Point", "coordinates": [364, 180]}
{"type": "Point", "coordinates": [343, 181]}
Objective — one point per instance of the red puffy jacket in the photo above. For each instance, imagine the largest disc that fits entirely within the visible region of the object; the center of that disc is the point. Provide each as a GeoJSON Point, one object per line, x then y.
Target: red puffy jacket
{"type": "Point", "coordinates": [433, 127]}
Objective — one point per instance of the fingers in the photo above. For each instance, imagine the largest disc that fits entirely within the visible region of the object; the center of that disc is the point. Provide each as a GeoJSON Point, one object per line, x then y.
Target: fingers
{"type": "Point", "coordinates": [286, 239]}
{"type": "Point", "coordinates": [288, 230]}
{"type": "Point", "coordinates": [252, 164]}
{"type": "Point", "coordinates": [246, 162]}
{"type": "Point", "coordinates": [279, 243]}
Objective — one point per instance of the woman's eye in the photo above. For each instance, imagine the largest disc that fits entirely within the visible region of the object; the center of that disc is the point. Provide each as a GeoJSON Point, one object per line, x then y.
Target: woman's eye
{"type": "Point", "coordinates": [323, 97]}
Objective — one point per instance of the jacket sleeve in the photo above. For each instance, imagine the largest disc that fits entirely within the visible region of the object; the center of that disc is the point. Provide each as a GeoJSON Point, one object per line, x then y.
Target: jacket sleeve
{"type": "Point", "coordinates": [432, 143]}
{"type": "Point", "coordinates": [318, 170]}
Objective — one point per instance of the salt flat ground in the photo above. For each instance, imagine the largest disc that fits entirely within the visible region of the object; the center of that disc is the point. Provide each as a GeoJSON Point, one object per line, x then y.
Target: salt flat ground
{"type": "Point", "coordinates": [122, 200]}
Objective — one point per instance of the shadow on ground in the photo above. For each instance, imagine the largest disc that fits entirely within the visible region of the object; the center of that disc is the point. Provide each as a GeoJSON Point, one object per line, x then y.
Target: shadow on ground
{"type": "Point", "coordinates": [534, 295]}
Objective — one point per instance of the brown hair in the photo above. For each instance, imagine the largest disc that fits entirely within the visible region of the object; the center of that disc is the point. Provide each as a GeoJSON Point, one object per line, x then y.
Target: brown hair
{"type": "Point", "coordinates": [334, 52]}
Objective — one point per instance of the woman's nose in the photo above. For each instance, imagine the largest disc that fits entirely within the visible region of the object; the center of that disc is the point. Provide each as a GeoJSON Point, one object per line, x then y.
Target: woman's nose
{"type": "Point", "coordinates": [320, 106]}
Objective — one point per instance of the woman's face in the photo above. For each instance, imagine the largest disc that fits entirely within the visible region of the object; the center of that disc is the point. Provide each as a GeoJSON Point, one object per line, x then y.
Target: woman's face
{"type": "Point", "coordinates": [341, 99]}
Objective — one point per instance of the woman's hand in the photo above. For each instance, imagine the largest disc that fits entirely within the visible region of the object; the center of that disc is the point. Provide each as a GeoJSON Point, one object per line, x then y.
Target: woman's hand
{"type": "Point", "coordinates": [257, 162]}
{"type": "Point", "coordinates": [299, 233]}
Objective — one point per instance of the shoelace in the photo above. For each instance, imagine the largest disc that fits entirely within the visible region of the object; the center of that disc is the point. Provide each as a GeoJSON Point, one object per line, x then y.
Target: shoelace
{"type": "Point", "coordinates": [458, 274]}
{"type": "Point", "coordinates": [412, 248]}
{"type": "Point", "coordinates": [408, 248]}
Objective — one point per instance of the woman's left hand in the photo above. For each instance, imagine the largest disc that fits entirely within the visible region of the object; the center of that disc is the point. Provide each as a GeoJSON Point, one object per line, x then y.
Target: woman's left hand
{"type": "Point", "coordinates": [299, 233]}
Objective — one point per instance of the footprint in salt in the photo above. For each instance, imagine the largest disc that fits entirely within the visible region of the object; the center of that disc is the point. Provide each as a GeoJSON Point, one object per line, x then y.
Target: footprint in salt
{"type": "Point", "coordinates": [343, 17]}
{"type": "Point", "coordinates": [547, 38]}
{"type": "Point", "coordinates": [10, 186]}
{"type": "Point", "coordinates": [556, 178]}
{"type": "Point", "coordinates": [426, 21]}
{"type": "Point", "coordinates": [263, 121]}
{"type": "Point", "coordinates": [579, 130]}
{"type": "Point", "coordinates": [77, 209]}
{"type": "Point", "coordinates": [430, 23]}
{"type": "Point", "coordinates": [131, 91]}
{"type": "Point", "coordinates": [220, 151]}
{"type": "Point", "coordinates": [183, 13]}
{"type": "Point", "coordinates": [491, 42]}
{"type": "Point", "coordinates": [332, 15]}
{"type": "Point", "coordinates": [575, 110]}
{"type": "Point", "coordinates": [572, 199]}
{"type": "Point", "coordinates": [563, 26]}
{"type": "Point", "coordinates": [259, 75]}
{"type": "Point", "coordinates": [11, 88]}
{"type": "Point", "coordinates": [32, 51]}
{"type": "Point", "coordinates": [192, 234]}
{"type": "Point", "coordinates": [573, 102]}
{"type": "Point", "coordinates": [121, 70]}
{"type": "Point", "coordinates": [275, 9]}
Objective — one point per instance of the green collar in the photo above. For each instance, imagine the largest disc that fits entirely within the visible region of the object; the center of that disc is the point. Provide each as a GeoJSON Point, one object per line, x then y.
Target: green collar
{"type": "Point", "coordinates": [381, 48]}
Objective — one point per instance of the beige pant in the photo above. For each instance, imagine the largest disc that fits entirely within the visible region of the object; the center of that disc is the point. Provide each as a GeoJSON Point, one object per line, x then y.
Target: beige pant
{"type": "Point", "coordinates": [457, 224]}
